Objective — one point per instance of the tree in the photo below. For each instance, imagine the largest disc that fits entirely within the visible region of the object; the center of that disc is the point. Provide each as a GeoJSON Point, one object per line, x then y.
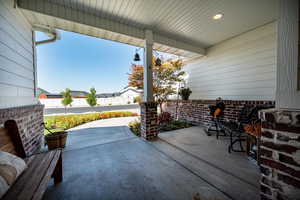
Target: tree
{"type": "Point", "coordinates": [136, 77]}
{"type": "Point", "coordinates": [67, 98]}
{"type": "Point", "coordinates": [165, 78]}
{"type": "Point", "coordinates": [91, 97]}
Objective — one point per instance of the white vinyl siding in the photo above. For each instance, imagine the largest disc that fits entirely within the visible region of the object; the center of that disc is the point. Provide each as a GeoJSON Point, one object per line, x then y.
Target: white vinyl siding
{"type": "Point", "coordinates": [241, 68]}
{"type": "Point", "coordinates": [287, 93]}
{"type": "Point", "coordinates": [16, 58]}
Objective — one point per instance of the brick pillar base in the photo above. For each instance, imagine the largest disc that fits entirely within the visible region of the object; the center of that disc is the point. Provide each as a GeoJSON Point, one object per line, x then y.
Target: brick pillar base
{"type": "Point", "coordinates": [149, 127]}
{"type": "Point", "coordinates": [280, 155]}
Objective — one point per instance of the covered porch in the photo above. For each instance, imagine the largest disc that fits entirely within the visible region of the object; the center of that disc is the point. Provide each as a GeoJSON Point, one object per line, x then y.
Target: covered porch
{"type": "Point", "coordinates": [245, 52]}
{"type": "Point", "coordinates": [176, 165]}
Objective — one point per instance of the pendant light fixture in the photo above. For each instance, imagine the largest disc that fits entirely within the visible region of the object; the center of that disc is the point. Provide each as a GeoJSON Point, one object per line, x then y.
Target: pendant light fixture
{"type": "Point", "coordinates": [157, 60]}
{"type": "Point", "coordinates": [137, 55]}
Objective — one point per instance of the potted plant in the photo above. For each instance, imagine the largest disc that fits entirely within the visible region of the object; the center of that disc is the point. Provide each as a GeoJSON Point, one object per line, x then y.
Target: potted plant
{"type": "Point", "coordinates": [56, 140]}
{"type": "Point", "coordinates": [185, 93]}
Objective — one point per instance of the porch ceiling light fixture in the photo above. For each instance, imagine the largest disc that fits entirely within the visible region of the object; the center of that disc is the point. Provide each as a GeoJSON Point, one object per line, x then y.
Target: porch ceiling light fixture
{"type": "Point", "coordinates": [218, 16]}
{"type": "Point", "coordinates": [137, 57]}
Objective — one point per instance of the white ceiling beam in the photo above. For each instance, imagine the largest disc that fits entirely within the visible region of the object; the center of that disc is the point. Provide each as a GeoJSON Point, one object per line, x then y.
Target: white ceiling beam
{"type": "Point", "coordinates": [75, 15]}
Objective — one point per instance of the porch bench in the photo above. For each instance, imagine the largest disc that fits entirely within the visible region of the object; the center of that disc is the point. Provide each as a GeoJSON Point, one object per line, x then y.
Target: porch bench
{"type": "Point", "coordinates": [41, 167]}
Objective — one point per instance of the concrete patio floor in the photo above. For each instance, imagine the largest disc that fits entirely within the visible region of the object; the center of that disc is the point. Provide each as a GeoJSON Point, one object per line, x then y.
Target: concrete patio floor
{"type": "Point", "coordinates": [108, 162]}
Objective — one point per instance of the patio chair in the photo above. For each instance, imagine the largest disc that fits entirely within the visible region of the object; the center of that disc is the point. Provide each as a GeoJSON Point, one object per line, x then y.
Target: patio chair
{"type": "Point", "coordinates": [235, 129]}
{"type": "Point", "coordinates": [216, 113]}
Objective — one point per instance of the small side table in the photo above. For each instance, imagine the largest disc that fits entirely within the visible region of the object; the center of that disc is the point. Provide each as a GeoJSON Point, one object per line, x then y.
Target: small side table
{"type": "Point", "coordinates": [253, 141]}
{"type": "Point", "coordinates": [253, 147]}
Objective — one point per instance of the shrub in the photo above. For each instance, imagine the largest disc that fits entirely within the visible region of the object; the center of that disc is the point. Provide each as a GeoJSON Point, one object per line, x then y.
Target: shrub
{"type": "Point", "coordinates": [128, 102]}
{"type": "Point", "coordinates": [69, 121]}
{"type": "Point", "coordinates": [174, 125]}
{"type": "Point", "coordinates": [185, 93]}
{"type": "Point", "coordinates": [164, 117]}
{"type": "Point", "coordinates": [135, 127]}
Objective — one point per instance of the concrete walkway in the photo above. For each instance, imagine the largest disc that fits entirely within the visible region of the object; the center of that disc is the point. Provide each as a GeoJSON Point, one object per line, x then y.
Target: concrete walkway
{"type": "Point", "coordinates": [103, 160]}
{"type": "Point", "coordinates": [99, 132]}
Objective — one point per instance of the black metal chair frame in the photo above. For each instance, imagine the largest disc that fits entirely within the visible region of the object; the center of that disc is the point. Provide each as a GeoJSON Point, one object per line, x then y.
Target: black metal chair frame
{"type": "Point", "coordinates": [215, 122]}
{"type": "Point", "coordinates": [235, 129]}
{"type": "Point", "coordinates": [239, 135]}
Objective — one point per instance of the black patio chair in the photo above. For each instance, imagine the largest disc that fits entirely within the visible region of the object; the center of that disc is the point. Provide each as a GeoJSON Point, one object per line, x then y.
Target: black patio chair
{"type": "Point", "coordinates": [216, 113]}
{"type": "Point", "coordinates": [235, 129]}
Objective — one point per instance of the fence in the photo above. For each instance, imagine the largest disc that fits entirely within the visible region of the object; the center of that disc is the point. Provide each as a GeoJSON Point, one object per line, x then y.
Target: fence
{"type": "Point", "coordinates": [81, 102]}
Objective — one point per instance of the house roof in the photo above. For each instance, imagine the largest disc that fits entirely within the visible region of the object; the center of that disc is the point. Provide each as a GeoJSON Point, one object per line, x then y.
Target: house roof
{"type": "Point", "coordinates": [115, 94]}
{"type": "Point", "coordinates": [77, 93]}
{"type": "Point", "coordinates": [127, 88]}
{"type": "Point", "coordinates": [183, 28]}
{"type": "Point", "coordinates": [106, 95]}
{"type": "Point", "coordinates": [40, 91]}
{"type": "Point", "coordinates": [54, 95]}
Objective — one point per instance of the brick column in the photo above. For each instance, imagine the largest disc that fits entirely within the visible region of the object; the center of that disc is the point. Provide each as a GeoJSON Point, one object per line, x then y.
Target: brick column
{"type": "Point", "coordinates": [149, 127]}
{"type": "Point", "coordinates": [280, 155]}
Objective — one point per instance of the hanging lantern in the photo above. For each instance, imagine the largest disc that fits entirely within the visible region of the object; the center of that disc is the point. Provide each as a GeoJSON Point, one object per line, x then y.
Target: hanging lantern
{"type": "Point", "coordinates": [137, 57]}
{"type": "Point", "coordinates": [158, 62]}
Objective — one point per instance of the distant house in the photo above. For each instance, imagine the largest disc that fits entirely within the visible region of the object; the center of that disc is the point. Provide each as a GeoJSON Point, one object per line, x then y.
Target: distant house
{"type": "Point", "coordinates": [127, 92]}
{"type": "Point", "coordinates": [43, 94]}
{"type": "Point", "coordinates": [49, 96]}
{"type": "Point", "coordinates": [130, 93]}
{"type": "Point", "coordinates": [42, 91]}
{"type": "Point", "coordinates": [107, 95]}
{"type": "Point", "coordinates": [79, 94]}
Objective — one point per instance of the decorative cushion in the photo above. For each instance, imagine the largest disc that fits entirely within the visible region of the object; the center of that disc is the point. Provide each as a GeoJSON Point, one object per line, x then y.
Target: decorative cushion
{"type": "Point", "coordinates": [3, 186]}
{"type": "Point", "coordinates": [8, 172]}
{"type": "Point", "coordinates": [11, 167]}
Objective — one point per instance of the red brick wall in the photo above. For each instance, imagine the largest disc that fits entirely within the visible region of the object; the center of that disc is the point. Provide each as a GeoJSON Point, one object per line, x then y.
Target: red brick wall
{"type": "Point", "coordinates": [29, 120]}
{"type": "Point", "coordinates": [280, 155]}
{"type": "Point", "coordinates": [197, 111]}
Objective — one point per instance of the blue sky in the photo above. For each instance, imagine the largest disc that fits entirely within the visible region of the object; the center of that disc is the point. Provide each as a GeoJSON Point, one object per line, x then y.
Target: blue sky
{"type": "Point", "coordinates": [80, 62]}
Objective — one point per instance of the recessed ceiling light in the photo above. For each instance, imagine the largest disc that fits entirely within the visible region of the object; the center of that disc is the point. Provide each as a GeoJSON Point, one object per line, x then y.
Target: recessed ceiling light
{"type": "Point", "coordinates": [218, 16]}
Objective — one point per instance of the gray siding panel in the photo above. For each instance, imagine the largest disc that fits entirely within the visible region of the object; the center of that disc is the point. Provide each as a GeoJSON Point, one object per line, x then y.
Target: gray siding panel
{"type": "Point", "coordinates": [241, 68]}
{"type": "Point", "coordinates": [16, 57]}
{"type": "Point", "coordinates": [287, 93]}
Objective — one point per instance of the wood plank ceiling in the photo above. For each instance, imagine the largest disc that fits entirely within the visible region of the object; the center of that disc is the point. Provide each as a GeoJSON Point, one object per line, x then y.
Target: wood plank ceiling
{"type": "Point", "coordinates": [187, 21]}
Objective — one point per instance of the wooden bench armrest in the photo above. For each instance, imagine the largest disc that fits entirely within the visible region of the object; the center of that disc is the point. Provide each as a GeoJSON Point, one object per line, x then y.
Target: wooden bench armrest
{"type": "Point", "coordinates": [32, 183]}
